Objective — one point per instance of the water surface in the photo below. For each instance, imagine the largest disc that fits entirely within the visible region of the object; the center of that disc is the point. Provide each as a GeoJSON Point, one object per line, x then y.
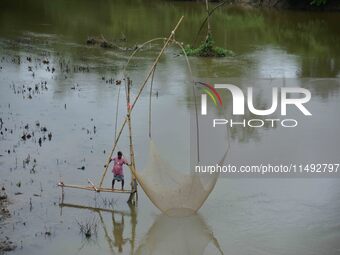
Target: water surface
{"type": "Point", "coordinates": [242, 216]}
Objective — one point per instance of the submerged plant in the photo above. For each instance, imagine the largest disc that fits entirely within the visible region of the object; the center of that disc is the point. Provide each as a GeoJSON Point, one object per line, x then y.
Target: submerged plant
{"type": "Point", "coordinates": [88, 227]}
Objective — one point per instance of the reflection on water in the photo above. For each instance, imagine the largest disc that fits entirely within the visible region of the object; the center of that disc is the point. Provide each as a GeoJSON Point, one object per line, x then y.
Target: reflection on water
{"type": "Point", "coordinates": [167, 235]}
{"type": "Point", "coordinates": [118, 229]}
{"type": "Point", "coordinates": [184, 235]}
{"type": "Point", "coordinates": [116, 240]}
{"type": "Point", "coordinates": [275, 63]}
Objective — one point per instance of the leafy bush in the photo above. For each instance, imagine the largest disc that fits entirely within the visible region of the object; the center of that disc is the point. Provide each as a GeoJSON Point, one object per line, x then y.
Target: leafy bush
{"type": "Point", "coordinates": [207, 49]}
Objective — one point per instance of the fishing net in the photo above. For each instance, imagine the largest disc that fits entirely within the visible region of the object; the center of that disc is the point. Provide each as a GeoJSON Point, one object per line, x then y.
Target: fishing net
{"type": "Point", "coordinates": [172, 191]}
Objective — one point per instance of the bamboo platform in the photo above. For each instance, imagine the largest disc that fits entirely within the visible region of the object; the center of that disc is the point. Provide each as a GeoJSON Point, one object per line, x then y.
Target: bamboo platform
{"type": "Point", "coordinates": [94, 188]}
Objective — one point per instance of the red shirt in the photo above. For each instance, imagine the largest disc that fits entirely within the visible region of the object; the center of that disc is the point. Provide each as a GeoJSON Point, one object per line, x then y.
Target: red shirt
{"type": "Point", "coordinates": [118, 165]}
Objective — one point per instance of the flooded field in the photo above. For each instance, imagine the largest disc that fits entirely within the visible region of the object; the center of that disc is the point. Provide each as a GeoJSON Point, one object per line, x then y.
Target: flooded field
{"type": "Point", "coordinates": [58, 97]}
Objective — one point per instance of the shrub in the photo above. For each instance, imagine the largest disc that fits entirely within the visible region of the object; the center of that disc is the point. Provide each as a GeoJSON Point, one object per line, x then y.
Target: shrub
{"type": "Point", "coordinates": [207, 49]}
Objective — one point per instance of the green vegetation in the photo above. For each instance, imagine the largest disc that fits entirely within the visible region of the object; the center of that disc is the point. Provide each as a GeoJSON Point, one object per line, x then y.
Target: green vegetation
{"type": "Point", "coordinates": [207, 49]}
{"type": "Point", "coordinates": [318, 2]}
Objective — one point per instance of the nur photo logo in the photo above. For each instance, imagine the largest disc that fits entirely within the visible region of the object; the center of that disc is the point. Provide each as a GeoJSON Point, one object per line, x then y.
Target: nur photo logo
{"type": "Point", "coordinates": [281, 99]}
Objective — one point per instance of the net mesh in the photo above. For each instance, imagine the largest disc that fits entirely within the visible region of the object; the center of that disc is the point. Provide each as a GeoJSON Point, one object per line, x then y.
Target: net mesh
{"type": "Point", "coordinates": [172, 191]}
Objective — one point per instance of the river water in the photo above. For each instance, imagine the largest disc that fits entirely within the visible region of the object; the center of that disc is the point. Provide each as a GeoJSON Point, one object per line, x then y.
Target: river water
{"type": "Point", "coordinates": [58, 89]}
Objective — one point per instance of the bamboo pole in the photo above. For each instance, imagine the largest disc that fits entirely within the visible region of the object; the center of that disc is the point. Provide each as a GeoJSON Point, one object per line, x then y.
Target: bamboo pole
{"type": "Point", "coordinates": [92, 184]}
{"type": "Point", "coordinates": [208, 19]}
{"type": "Point", "coordinates": [132, 155]}
{"type": "Point", "coordinates": [115, 190]}
{"type": "Point", "coordinates": [136, 99]}
{"type": "Point", "coordinates": [117, 108]}
{"type": "Point", "coordinates": [91, 188]}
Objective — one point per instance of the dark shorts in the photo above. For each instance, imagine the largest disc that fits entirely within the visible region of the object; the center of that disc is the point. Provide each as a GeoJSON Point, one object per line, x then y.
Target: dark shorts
{"type": "Point", "coordinates": [118, 177]}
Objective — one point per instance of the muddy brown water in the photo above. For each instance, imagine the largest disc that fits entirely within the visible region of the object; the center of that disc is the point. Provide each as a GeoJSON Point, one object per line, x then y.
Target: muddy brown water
{"type": "Point", "coordinates": [67, 106]}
